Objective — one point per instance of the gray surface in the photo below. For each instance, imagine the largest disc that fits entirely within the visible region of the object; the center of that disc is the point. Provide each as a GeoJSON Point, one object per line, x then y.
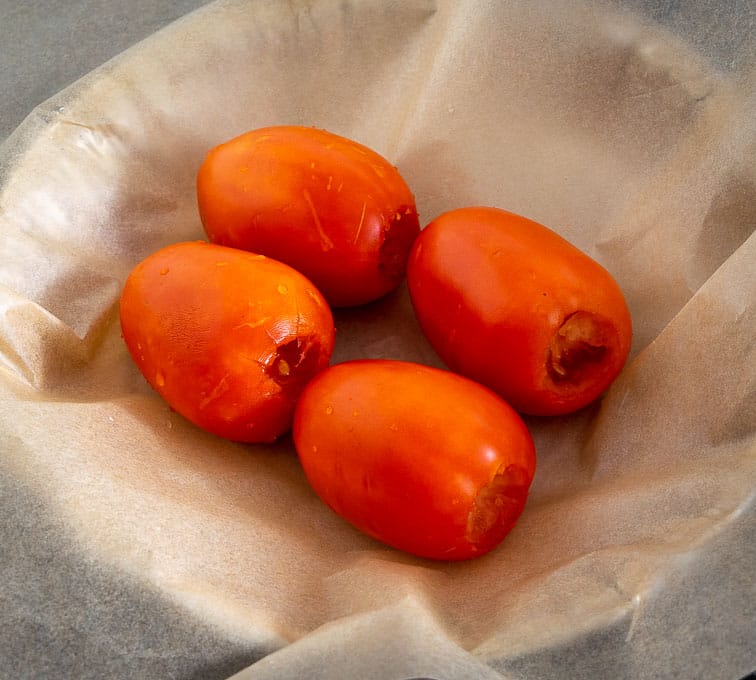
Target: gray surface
{"type": "Point", "coordinates": [46, 45]}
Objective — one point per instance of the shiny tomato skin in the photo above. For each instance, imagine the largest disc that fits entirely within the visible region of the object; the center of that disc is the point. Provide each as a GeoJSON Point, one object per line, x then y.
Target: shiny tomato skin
{"type": "Point", "coordinates": [419, 458]}
{"type": "Point", "coordinates": [331, 208]}
{"type": "Point", "coordinates": [510, 303]}
{"type": "Point", "coordinates": [226, 337]}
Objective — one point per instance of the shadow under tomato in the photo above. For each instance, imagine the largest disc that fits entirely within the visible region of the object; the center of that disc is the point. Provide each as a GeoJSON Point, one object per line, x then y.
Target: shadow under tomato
{"type": "Point", "coordinates": [384, 329]}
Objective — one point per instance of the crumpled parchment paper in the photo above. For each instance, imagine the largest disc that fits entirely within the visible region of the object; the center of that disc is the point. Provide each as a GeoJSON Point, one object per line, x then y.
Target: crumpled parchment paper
{"type": "Point", "coordinates": [628, 128]}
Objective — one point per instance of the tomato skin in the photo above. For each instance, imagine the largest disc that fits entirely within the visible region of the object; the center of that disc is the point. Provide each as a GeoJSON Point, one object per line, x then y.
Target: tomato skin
{"type": "Point", "coordinates": [226, 337]}
{"type": "Point", "coordinates": [422, 459]}
{"type": "Point", "coordinates": [331, 208]}
{"type": "Point", "coordinates": [513, 305]}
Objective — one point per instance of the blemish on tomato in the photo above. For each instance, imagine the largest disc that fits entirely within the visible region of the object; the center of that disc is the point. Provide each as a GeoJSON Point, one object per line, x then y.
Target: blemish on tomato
{"type": "Point", "coordinates": [325, 241]}
{"type": "Point", "coordinates": [253, 324]}
{"type": "Point", "coordinates": [362, 221]}
{"type": "Point", "coordinates": [314, 296]}
{"type": "Point", "coordinates": [220, 388]}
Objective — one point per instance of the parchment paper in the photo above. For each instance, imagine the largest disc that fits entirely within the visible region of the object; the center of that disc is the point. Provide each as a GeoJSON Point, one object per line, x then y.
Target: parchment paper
{"type": "Point", "coordinates": [634, 140]}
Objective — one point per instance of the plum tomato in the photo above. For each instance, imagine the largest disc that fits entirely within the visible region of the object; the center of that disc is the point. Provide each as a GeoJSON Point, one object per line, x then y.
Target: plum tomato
{"type": "Point", "coordinates": [508, 302]}
{"type": "Point", "coordinates": [331, 208]}
{"type": "Point", "coordinates": [226, 337]}
{"type": "Point", "coordinates": [417, 457]}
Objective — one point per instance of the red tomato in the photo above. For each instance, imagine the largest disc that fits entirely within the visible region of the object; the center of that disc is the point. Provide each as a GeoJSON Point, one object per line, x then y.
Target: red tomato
{"type": "Point", "coordinates": [422, 459]}
{"type": "Point", "coordinates": [331, 208]}
{"type": "Point", "coordinates": [511, 304]}
{"type": "Point", "coordinates": [226, 337]}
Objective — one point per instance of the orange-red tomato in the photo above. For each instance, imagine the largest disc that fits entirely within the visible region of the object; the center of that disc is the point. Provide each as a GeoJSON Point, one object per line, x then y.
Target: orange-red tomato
{"type": "Point", "coordinates": [422, 459]}
{"type": "Point", "coordinates": [331, 208]}
{"type": "Point", "coordinates": [226, 337]}
{"type": "Point", "coordinates": [511, 304]}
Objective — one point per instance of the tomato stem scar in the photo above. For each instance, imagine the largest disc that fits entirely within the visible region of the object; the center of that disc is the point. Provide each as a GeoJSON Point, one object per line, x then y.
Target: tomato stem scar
{"type": "Point", "coordinates": [579, 345]}
{"type": "Point", "coordinates": [497, 505]}
{"type": "Point", "coordinates": [394, 250]}
{"type": "Point", "coordinates": [294, 362]}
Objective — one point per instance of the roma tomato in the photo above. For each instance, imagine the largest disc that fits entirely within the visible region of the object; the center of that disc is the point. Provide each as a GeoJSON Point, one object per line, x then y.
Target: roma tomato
{"type": "Point", "coordinates": [511, 304]}
{"type": "Point", "coordinates": [226, 337]}
{"type": "Point", "coordinates": [422, 459]}
{"type": "Point", "coordinates": [331, 208]}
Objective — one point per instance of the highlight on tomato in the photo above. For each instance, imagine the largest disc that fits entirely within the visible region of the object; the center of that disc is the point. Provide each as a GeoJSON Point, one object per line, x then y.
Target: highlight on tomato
{"type": "Point", "coordinates": [226, 337]}
{"type": "Point", "coordinates": [417, 457]}
{"type": "Point", "coordinates": [510, 303]}
{"type": "Point", "coordinates": [333, 209]}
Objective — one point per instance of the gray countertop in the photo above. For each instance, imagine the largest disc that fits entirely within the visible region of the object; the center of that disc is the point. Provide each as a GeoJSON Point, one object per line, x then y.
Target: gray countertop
{"type": "Point", "coordinates": [45, 45]}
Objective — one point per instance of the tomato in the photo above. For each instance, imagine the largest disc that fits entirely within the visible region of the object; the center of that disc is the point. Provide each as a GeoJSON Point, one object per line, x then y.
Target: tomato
{"type": "Point", "coordinates": [226, 337]}
{"type": "Point", "coordinates": [511, 304]}
{"type": "Point", "coordinates": [331, 208]}
{"type": "Point", "coordinates": [419, 458]}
